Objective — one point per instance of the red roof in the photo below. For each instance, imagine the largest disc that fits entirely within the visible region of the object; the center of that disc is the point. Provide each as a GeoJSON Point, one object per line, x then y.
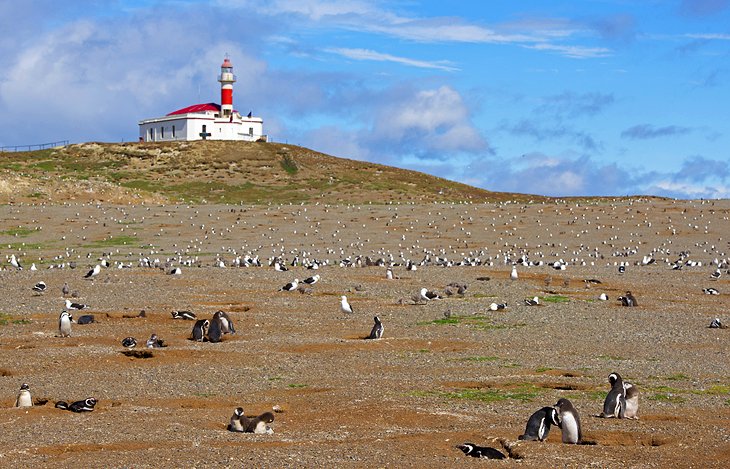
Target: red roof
{"type": "Point", "coordinates": [197, 108]}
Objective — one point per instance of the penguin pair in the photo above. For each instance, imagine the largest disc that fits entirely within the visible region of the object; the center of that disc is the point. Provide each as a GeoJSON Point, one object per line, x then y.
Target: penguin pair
{"type": "Point", "coordinates": [87, 405]}
{"type": "Point", "coordinates": [538, 425]}
{"type": "Point", "coordinates": [212, 330]}
{"type": "Point", "coordinates": [628, 300]}
{"type": "Point", "coordinates": [242, 424]}
{"type": "Point", "coordinates": [622, 401]}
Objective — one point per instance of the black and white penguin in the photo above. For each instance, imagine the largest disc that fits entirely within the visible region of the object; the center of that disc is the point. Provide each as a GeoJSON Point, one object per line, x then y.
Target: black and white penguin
{"type": "Point", "coordinates": [710, 291]}
{"type": "Point", "coordinates": [129, 342]}
{"type": "Point", "coordinates": [538, 425]}
{"type": "Point", "coordinates": [64, 324]}
{"type": "Point", "coordinates": [291, 286]}
{"type": "Point", "coordinates": [569, 421]}
{"type": "Point", "coordinates": [377, 331]}
{"type": "Point", "coordinates": [717, 324]}
{"type": "Point", "coordinates": [200, 330]}
{"type": "Point", "coordinates": [39, 287]}
{"type": "Point", "coordinates": [311, 280]}
{"type": "Point", "coordinates": [70, 305]}
{"type": "Point", "coordinates": [85, 319]}
{"type": "Point", "coordinates": [175, 271]}
{"type": "Point", "coordinates": [628, 300]}
{"type": "Point", "coordinates": [261, 423]}
{"type": "Point", "coordinates": [87, 405]}
{"type": "Point", "coordinates": [24, 399]}
{"type": "Point", "coordinates": [532, 302]}
{"type": "Point", "coordinates": [614, 406]}
{"type": "Point", "coordinates": [470, 449]}
{"type": "Point", "coordinates": [239, 422]}
{"type": "Point", "coordinates": [225, 321]}
{"type": "Point", "coordinates": [215, 330]}
{"type": "Point", "coordinates": [155, 342]}
{"type": "Point", "coordinates": [93, 272]}
{"type": "Point", "coordinates": [716, 274]}
{"type": "Point", "coordinates": [428, 295]}
{"type": "Point", "coordinates": [186, 315]}
{"type": "Point", "coordinates": [632, 401]}
{"type": "Point", "coordinates": [621, 269]}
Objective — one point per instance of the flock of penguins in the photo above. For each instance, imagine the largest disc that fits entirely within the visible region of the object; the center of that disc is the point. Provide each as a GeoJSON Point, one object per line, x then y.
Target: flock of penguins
{"type": "Point", "coordinates": [620, 402]}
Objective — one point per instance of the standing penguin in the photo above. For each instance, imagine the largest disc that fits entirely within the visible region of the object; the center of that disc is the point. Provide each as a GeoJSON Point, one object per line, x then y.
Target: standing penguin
{"type": "Point", "coordinates": [614, 406]}
{"type": "Point", "coordinates": [215, 330]}
{"type": "Point", "coordinates": [64, 324]}
{"type": "Point", "coordinates": [632, 401]}
{"type": "Point", "coordinates": [226, 322]}
{"type": "Point", "coordinates": [538, 425]}
{"type": "Point", "coordinates": [200, 330]}
{"type": "Point", "coordinates": [24, 399]}
{"type": "Point", "coordinates": [377, 331]}
{"type": "Point", "coordinates": [569, 421]}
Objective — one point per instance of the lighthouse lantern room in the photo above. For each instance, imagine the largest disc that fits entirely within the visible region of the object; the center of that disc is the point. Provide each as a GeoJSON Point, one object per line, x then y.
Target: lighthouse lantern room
{"type": "Point", "coordinates": [209, 121]}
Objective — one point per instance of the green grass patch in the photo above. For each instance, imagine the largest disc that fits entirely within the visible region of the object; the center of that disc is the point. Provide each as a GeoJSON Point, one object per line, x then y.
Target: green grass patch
{"type": "Point", "coordinates": [484, 295]}
{"type": "Point", "coordinates": [19, 231]}
{"type": "Point", "coordinates": [555, 299]}
{"type": "Point", "coordinates": [288, 164]}
{"type": "Point", "coordinates": [543, 369]}
{"type": "Point", "coordinates": [6, 319]}
{"type": "Point", "coordinates": [666, 397]}
{"type": "Point", "coordinates": [611, 357]}
{"type": "Point", "coordinates": [677, 377]}
{"type": "Point", "coordinates": [297, 385]}
{"type": "Point", "coordinates": [122, 240]}
{"type": "Point", "coordinates": [715, 390]}
{"type": "Point", "coordinates": [474, 321]}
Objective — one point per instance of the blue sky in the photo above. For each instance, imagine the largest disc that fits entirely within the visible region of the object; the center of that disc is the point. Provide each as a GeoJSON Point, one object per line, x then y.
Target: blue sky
{"type": "Point", "coordinates": [589, 97]}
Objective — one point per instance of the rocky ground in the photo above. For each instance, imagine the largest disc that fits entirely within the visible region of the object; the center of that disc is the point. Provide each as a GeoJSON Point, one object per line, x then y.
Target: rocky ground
{"type": "Point", "coordinates": [405, 400]}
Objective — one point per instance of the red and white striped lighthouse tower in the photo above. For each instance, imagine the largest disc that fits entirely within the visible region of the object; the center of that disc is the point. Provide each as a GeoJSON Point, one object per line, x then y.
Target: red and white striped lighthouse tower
{"type": "Point", "coordinates": [227, 79]}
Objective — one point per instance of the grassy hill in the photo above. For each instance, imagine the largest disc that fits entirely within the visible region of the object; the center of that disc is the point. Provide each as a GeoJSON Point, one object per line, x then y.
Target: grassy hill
{"type": "Point", "coordinates": [217, 172]}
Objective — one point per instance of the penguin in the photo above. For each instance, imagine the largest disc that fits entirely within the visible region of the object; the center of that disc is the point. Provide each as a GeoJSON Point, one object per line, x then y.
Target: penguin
{"type": "Point", "coordinates": [239, 422]}
{"type": "Point", "coordinates": [261, 423]}
{"type": "Point", "coordinates": [603, 297]}
{"type": "Point", "coordinates": [215, 330]}
{"type": "Point", "coordinates": [377, 331]}
{"type": "Point", "coordinates": [614, 406]}
{"type": "Point", "coordinates": [485, 452]}
{"type": "Point", "coordinates": [129, 342]}
{"type": "Point", "coordinates": [225, 321]}
{"type": "Point", "coordinates": [75, 306]}
{"type": "Point", "coordinates": [24, 399]}
{"type": "Point", "coordinates": [175, 271]}
{"type": "Point", "coordinates": [706, 291]}
{"type": "Point", "coordinates": [569, 421]}
{"type": "Point", "coordinates": [628, 299]}
{"type": "Point", "coordinates": [427, 295]}
{"type": "Point", "coordinates": [389, 274]}
{"type": "Point", "coordinates": [39, 287]}
{"type": "Point", "coordinates": [513, 275]}
{"type": "Point", "coordinates": [532, 302]}
{"type": "Point", "coordinates": [87, 405]}
{"type": "Point", "coordinates": [311, 280]}
{"type": "Point", "coordinates": [621, 269]}
{"type": "Point", "coordinates": [538, 425]}
{"type": "Point", "coordinates": [85, 319]}
{"type": "Point", "coordinates": [345, 306]}
{"type": "Point", "coordinates": [155, 342]}
{"type": "Point", "coordinates": [200, 330]}
{"type": "Point", "coordinates": [64, 324]}
{"type": "Point", "coordinates": [716, 274]}
{"type": "Point", "coordinates": [632, 401]}
{"type": "Point", "coordinates": [93, 272]}
{"type": "Point", "coordinates": [291, 286]}
{"type": "Point", "coordinates": [186, 315]}
{"type": "Point", "coordinates": [717, 324]}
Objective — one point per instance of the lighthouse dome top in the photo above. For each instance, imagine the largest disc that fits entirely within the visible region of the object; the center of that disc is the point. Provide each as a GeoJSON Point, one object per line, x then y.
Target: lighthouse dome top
{"type": "Point", "coordinates": [227, 63]}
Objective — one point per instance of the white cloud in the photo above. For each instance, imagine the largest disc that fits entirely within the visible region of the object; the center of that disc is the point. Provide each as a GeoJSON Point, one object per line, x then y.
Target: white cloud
{"type": "Point", "coordinates": [366, 54]}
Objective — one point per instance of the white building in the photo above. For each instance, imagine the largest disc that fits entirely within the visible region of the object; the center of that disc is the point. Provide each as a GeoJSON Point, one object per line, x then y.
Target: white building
{"type": "Point", "coordinates": [208, 121]}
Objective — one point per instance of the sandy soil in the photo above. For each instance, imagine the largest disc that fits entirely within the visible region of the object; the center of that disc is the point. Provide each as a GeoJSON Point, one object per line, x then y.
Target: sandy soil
{"type": "Point", "coordinates": [403, 401]}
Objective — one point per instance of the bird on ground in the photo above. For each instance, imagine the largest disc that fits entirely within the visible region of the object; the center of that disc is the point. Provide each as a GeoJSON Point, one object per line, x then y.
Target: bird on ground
{"type": "Point", "coordinates": [428, 295]}
{"type": "Point", "coordinates": [24, 399]}
{"type": "Point", "coordinates": [39, 287]}
{"type": "Point", "coordinates": [75, 306]}
{"type": "Point", "coordinates": [345, 306]}
{"type": "Point", "coordinates": [485, 452]}
{"type": "Point", "coordinates": [291, 286]}
{"type": "Point", "coordinates": [377, 331]}
{"type": "Point", "coordinates": [93, 272]}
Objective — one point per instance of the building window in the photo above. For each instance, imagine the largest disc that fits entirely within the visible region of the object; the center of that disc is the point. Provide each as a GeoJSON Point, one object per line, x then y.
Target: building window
{"type": "Point", "coordinates": [151, 133]}
{"type": "Point", "coordinates": [162, 132]}
{"type": "Point", "coordinates": [173, 131]}
{"type": "Point", "coordinates": [250, 131]}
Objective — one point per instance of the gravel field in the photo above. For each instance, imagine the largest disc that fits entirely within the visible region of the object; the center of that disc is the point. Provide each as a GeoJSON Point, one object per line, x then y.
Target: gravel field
{"type": "Point", "coordinates": [445, 372]}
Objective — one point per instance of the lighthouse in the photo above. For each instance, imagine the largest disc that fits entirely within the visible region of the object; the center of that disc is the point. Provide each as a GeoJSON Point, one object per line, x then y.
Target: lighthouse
{"type": "Point", "coordinates": [206, 121]}
{"type": "Point", "coordinates": [226, 79]}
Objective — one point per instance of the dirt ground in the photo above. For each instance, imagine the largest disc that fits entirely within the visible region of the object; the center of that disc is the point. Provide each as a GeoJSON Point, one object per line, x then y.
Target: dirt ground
{"type": "Point", "coordinates": [406, 400]}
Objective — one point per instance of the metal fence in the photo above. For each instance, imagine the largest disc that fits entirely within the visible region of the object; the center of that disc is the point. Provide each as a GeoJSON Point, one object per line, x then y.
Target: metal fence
{"type": "Point", "coordinates": [37, 146]}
